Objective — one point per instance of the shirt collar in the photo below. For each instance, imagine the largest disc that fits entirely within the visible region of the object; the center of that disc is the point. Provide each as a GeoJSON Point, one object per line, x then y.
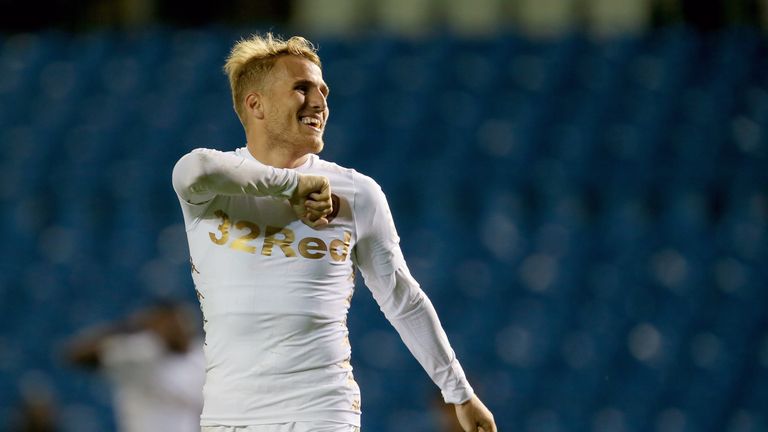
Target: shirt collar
{"type": "Point", "coordinates": [243, 151]}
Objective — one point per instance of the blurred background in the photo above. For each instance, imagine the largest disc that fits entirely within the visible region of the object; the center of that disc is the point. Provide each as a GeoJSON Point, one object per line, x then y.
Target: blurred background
{"type": "Point", "coordinates": [581, 187]}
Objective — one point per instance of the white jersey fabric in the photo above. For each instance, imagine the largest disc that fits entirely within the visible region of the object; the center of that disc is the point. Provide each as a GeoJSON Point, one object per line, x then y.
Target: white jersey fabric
{"type": "Point", "coordinates": [154, 389]}
{"type": "Point", "coordinates": [286, 427]}
{"type": "Point", "coordinates": [275, 292]}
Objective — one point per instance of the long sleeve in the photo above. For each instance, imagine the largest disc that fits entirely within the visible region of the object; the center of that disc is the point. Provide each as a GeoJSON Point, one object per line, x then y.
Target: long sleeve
{"type": "Point", "coordinates": [380, 260]}
{"type": "Point", "coordinates": [204, 173]}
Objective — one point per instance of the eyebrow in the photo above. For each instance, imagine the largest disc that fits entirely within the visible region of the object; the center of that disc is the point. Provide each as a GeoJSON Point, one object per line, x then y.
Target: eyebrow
{"type": "Point", "coordinates": [323, 86]}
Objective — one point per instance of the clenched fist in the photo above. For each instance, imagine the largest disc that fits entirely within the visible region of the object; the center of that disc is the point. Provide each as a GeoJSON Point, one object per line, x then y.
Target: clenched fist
{"type": "Point", "coordinates": [311, 201]}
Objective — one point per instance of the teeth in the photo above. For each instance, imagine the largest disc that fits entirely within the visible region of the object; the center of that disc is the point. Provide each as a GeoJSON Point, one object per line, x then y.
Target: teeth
{"type": "Point", "coordinates": [310, 121]}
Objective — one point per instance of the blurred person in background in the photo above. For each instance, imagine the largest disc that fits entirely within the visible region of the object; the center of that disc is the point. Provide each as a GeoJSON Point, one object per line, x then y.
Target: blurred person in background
{"type": "Point", "coordinates": [156, 366]}
{"type": "Point", "coordinates": [274, 291]}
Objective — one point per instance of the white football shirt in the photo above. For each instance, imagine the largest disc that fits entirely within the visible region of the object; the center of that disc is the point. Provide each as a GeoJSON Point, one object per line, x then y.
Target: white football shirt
{"type": "Point", "coordinates": [275, 292]}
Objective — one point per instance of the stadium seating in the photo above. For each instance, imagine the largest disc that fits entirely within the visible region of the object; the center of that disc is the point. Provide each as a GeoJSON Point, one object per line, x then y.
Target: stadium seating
{"type": "Point", "coordinates": [589, 217]}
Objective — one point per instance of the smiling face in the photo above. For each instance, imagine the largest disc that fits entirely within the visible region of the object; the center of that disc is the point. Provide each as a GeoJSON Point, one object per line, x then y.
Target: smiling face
{"type": "Point", "coordinates": [295, 110]}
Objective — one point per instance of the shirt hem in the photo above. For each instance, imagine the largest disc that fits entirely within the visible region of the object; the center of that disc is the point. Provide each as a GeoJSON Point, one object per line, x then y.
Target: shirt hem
{"type": "Point", "coordinates": [343, 417]}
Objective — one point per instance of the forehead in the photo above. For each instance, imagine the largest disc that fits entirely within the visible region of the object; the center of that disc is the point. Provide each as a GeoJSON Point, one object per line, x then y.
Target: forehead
{"type": "Point", "coordinates": [294, 68]}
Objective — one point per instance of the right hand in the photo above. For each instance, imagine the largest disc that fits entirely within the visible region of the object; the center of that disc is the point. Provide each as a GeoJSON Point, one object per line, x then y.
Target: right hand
{"type": "Point", "coordinates": [311, 201]}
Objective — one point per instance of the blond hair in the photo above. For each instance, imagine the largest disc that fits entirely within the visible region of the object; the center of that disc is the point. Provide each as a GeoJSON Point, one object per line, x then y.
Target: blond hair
{"type": "Point", "coordinates": [251, 59]}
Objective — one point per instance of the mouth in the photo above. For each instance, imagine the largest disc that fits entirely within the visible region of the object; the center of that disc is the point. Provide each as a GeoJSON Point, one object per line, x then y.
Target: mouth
{"type": "Point", "coordinates": [313, 123]}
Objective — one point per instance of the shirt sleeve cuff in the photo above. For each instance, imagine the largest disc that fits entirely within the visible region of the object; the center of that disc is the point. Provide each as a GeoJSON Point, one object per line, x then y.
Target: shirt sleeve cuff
{"type": "Point", "coordinates": [293, 183]}
{"type": "Point", "coordinates": [458, 391]}
{"type": "Point", "coordinates": [458, 396]}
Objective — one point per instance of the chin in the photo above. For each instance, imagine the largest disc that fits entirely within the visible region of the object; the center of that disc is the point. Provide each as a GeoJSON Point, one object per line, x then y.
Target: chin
{"type": "Point", "coordinates": [316, 146]}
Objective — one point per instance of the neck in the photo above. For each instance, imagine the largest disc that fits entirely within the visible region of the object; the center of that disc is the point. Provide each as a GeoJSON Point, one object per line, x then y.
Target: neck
{"type": "Point", "coordinates": [278, 157]}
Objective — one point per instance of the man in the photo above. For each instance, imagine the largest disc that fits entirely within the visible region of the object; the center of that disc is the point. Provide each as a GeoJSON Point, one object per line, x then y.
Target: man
{"type": "Point", "coordinates": [155, 364]}
{"type": "Point", "coordinates": [275, 277]}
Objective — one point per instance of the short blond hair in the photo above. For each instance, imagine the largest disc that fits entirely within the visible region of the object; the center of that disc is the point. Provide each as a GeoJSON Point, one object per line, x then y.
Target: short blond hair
{"type": "Point", "coordinates": [251, 59]}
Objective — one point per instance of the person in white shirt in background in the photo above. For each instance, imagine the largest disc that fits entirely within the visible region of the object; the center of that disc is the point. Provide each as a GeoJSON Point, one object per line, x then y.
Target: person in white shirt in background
{"type": "Point", "coordinates": [155, 364]}
{"type": "Point", "coordinates": [275, 235]}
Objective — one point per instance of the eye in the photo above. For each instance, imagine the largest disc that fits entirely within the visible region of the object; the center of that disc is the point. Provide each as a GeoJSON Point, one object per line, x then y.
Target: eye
{"type": "Point", "coordinates": [301, 89]}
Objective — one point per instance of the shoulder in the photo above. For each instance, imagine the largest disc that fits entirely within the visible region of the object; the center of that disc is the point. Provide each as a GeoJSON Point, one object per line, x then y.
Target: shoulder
{"type": "Point", "coordinates": [367, 187]}
{"type": "Point", "coordinates": [203, 154]}
{"type": "Point", "coordinates": [211, 152]}
{"type": "Point", "coordinates": [363, 186]}
{"type": "Point", "coordinates": [324, 167]}
{"type": "Point", "coordinates": [369, 197]}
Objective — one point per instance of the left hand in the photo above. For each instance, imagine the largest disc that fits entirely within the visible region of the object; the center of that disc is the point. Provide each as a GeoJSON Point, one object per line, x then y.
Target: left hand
{"type": "Point", "coordinates": [475, 417]}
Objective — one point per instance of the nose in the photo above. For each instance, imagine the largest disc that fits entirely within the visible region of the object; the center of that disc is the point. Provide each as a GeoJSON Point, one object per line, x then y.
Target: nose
{"type": "Point", "coordinates": [317, 100]}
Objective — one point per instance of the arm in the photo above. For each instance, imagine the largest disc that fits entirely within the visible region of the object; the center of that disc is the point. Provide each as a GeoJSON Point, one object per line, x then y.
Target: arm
{"type": "Point", "coordinates": [405, 305]}
{"type": "Point", "coordinates": [411, 313]}
{"type": "Point", "coordinates": [204, 173]}
{"type": "Point", "coordinates": [86, 349]}
{"type": "Point", "coordinates": [92, 348]}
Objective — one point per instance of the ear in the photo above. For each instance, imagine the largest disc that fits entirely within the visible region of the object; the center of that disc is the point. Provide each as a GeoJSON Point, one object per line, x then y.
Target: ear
{"type": "Point", "coordinates": [254, 105]}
